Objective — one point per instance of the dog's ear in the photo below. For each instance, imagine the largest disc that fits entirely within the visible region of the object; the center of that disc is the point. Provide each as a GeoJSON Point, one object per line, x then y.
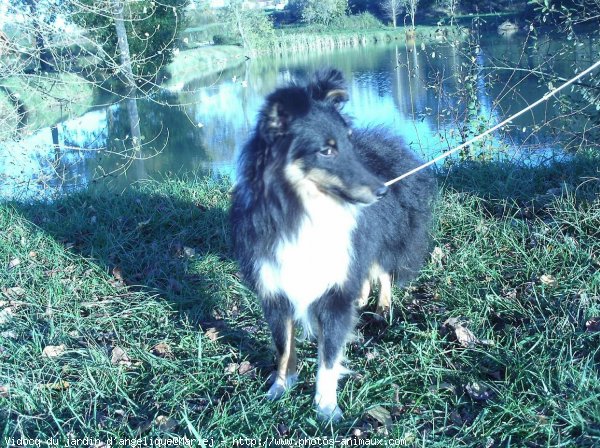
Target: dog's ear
{"type": "Point", "coordinates": [329, 85]}
{"type": "Point", "coordinates": [281, 108]}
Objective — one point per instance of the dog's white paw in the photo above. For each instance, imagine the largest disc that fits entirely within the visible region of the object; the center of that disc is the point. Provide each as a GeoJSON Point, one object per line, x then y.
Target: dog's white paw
{"type": "Point", "coordinates": [329, 412]}
{"type": "Point", "coordinates": [327, 407]}
{"type": "Point", "coordinates": [279, 387]}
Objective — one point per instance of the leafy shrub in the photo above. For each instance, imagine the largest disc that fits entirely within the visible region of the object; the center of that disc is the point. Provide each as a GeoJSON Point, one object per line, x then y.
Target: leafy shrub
{"type": "Point", "coordinates": [362, 21]}
{"type": "Point", "coordinates": [254, 28]}
{"type": "Point", "coordinates": [226, 39]}
{"type": "Point", "coordinates": [151, 30]}
{"type": "Point", "coordinates": [323, 12]}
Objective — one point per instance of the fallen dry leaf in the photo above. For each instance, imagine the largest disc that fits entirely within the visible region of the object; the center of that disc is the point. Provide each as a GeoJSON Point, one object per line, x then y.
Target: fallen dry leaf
{"type": "Point", "coordinates": [246, 368]}
{"type": "Point", "coordinates": [9, 334]}
{"type": "Point", "coordinates": [117, 274]}
{"type": "Point", "coordinates": [59, 385]}
{"type": "Point", "coordinates": [548, 280]}
{"type": "Point", "coordinates": [4, 390]}
{"type": "Point", "coordinates": [212, 333]}
{"type": "Point", "coordinates": [15, 291]}
{"type": "Point", "coordinates": [189, 252]}
{"type": "Point", "coordinates": [119, 357]}
{"type": "Point", "coordinates": [232, 367]}
{"type": "Point", "coordinates": [165, 423]}
{"type": "Point", "coordinates": [6, 314]}
{"type": "Point", "coordinates": [117, 281]}
{"type": "Point", "coordinates": [593, 324]}
{"type": "Point", "coordinates": [479, 391]}
{"type": "Point", "coordinates": [162, 422]}
{"type": "Point", "coordinates": [437, 256]}
{"type": "Point", "coordinates": [13, 263]}
{"type": "Point", "coordinates": [442, 386]}
{"type": "Point", "coordinates": [52, 351]}
{"type": "Point", "coordinates": [51, 272]}
{"type": "Point", "coordinates": [382, 415]}
{"type": "Point", "coordinates": [464, 336]}
{"type": "Point", "coordinates": [162, 350]}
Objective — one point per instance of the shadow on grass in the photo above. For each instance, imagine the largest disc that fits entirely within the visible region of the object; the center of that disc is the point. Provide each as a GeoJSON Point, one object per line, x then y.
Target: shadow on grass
{"type": "Point", "coordinates": [168, 238]}
{"type": "Point", "coordinates": [526, 190]}
{"type": "Point", "coordinates": [171, 237]}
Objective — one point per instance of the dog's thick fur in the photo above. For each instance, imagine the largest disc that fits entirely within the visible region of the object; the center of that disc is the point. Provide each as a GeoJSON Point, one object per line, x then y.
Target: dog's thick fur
{"type": "Point", "coordinates": [313, 223]}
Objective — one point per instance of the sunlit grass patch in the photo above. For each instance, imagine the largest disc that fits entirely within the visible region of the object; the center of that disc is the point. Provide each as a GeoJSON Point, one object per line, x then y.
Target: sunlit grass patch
{"type": "Point", "coordinates": [149, 331]}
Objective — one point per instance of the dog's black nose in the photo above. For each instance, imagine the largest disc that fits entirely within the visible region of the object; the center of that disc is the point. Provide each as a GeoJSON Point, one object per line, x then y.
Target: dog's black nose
{"type": "Point", "coordinates": [381, 191]}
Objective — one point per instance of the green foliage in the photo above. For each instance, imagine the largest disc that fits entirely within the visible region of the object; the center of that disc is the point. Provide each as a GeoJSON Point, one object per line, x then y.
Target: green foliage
{"type": "Point", "coordinates": [253, 27]}
{"type": "Point", "coordinates": [323, 12]}
{"type": "Point", "coordinates": [151, 31]}
{"type": "Point", "coordinates": [226, 39]}
{"type": "Point", "coordinates": [570, 18]}
{"type": "Point", "coordinates": [362, 21]}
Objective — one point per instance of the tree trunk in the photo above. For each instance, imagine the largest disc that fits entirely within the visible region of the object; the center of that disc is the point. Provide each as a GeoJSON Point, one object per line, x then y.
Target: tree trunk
{"type": "Point", "coordinates": [126, 69]}
{"type": "Point", "coordinates": [45, 56]}
{"type": "Point", "coordinates": [240, 25]}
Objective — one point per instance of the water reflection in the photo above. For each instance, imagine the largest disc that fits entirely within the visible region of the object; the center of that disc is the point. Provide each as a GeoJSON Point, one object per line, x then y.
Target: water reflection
{"type": "Point", "coordinates": [414, 89]}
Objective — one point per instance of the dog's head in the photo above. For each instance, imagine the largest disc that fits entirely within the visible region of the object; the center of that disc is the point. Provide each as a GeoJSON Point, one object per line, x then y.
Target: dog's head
{"type": "Point", "coordinates": [303, 126]}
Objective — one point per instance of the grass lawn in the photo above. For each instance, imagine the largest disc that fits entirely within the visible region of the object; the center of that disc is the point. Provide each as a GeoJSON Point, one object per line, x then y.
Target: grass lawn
{"type": "Point", "coordinates": [202, 62]}
{"type": "Point", "coordinates": [122, 316]}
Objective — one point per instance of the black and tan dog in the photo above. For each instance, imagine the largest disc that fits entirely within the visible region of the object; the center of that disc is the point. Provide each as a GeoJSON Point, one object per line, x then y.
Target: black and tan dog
{"type": "Point", "coordinates": [313, 223]}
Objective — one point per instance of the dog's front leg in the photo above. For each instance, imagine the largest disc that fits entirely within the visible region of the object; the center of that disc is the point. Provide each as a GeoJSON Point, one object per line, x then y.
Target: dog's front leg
{"type": "Point", "coordinates": [335, 318]}
{"type": "Point", "coordinates": [279, 315]}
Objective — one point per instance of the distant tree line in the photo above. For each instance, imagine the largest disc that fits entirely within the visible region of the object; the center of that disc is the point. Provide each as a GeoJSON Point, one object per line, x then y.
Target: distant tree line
{"type": "Point", "coordinates": [53, 35]}
{"type": "Point", "coordinates": [127, 42]}
{"type": "Point", "coordinates": [115, 46]}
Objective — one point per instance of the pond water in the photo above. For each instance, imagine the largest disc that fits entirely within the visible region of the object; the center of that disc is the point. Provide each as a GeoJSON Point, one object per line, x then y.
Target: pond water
{"type": "Point", "coordinates": [422, 91]}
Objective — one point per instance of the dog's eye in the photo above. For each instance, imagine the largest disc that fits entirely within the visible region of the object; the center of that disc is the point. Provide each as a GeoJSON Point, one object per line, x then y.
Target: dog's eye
{"type": "Point", "coordinates": [328, 151]}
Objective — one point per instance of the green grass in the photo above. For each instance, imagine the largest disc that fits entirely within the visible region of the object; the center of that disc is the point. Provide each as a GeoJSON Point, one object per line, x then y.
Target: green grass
{"type": "Point", "coordinates": [202, 62]}
{"type": "Point", "coordinates": [504, 234]}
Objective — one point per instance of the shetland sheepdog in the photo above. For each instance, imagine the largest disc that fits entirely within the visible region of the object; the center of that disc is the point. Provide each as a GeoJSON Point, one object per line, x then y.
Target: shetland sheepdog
{"type": "Point", "coordinates": [314, 225]}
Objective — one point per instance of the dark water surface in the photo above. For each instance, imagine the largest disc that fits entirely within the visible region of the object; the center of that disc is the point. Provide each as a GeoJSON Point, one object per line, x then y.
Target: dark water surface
{"type": "Point", "coordinates": [418, 90]}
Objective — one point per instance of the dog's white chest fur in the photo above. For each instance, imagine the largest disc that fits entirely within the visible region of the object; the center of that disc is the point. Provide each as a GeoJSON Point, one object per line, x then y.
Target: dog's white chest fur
{"type": "Point", "coordinates": [317, 260]}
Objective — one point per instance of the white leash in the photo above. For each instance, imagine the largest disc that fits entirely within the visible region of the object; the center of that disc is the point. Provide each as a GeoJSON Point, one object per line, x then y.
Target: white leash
{"type": "Point", "coordinates": [546, 97]}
